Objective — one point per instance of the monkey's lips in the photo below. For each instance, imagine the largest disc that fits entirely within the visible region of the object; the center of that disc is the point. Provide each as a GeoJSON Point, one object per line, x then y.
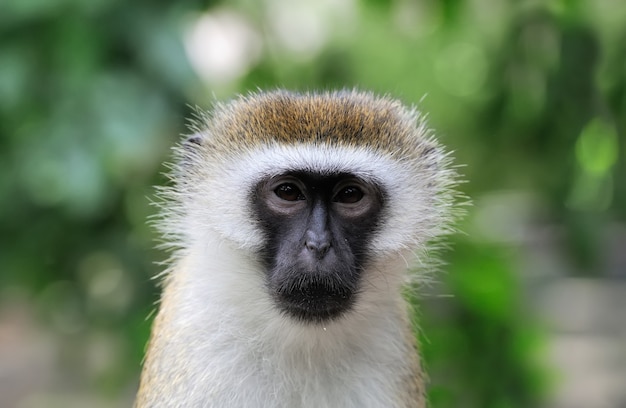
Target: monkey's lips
{"type": "Point", "coordinates": [314, 300]}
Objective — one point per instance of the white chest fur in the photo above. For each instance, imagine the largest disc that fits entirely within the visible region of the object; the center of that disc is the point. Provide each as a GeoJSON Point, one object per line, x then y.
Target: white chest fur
{"type": "Point", "coordinates": [225, 344]}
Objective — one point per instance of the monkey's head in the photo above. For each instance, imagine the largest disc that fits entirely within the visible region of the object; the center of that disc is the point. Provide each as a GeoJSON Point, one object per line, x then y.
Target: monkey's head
{"type": "Point", "coordinates": [319, 189]}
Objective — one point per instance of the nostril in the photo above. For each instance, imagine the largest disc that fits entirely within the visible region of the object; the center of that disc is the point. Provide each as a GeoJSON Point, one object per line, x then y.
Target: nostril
{"type": "Point", "coordinates": [320, 247]}
{"type": "Point", "coordinates": [317, 244]}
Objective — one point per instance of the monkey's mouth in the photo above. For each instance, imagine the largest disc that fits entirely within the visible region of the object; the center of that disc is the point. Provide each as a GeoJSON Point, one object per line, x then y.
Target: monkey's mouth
{"type": "Point", "coordinates": [314, 300]}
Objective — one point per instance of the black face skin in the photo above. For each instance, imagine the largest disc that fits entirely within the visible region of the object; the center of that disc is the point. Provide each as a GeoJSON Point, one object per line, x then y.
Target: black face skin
{"type": "Point", "coordinates": [318, 228]}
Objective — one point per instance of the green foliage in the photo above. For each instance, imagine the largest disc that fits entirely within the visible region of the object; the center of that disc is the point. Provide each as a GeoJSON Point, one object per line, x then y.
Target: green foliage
{"type": "Point", "coordinates": [480, 348]}
{"type": "Point", "coordinates": [532, 98]}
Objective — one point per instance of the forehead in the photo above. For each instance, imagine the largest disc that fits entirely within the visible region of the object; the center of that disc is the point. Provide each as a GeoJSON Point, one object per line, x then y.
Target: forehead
{"type": "Point", "coordinates": [316, 177]}
{"type": "Point", "coordinates": [317, 162]}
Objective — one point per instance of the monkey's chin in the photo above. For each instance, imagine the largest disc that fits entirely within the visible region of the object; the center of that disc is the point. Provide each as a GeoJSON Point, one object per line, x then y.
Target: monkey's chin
{"type": "Point", "coordinates": [315, 303]}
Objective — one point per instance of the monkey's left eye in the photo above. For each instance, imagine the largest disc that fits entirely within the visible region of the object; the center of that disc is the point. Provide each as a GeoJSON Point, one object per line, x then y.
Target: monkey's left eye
{"type": "Point", "coordinates": [349, 195]}
{"type": "Point", "coordinates": [289, 192]}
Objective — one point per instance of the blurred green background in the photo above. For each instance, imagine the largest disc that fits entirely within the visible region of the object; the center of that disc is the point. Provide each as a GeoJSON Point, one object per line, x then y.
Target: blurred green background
{"type": "Point", "coordinates": [529, 310]}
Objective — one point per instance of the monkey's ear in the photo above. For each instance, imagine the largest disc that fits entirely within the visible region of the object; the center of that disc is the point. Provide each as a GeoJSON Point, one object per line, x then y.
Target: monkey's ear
{"type": "Point", "coordinates": [188, 150]}
{"type": "Point", "coordinates": [193, 141]}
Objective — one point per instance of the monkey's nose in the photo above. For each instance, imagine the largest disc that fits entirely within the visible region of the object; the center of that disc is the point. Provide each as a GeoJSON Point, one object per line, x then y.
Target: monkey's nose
{"type": "Point", "coordinates": [319, 244]}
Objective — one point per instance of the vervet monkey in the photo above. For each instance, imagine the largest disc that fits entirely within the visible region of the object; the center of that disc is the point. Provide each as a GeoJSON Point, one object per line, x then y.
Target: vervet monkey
{"type": "Point", "coordinates": [295, 219]}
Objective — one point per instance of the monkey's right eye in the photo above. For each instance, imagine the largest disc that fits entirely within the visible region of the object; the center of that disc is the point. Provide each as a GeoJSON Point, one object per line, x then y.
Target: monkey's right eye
{"type": "Point", "coordinates": [289, 192]}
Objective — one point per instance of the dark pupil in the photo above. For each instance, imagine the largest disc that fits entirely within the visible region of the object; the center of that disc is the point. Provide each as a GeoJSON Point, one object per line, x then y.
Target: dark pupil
{"type": "Point", "coordinates": [349, 195]}
{"type": "Point", "coordinates": [289, 192]}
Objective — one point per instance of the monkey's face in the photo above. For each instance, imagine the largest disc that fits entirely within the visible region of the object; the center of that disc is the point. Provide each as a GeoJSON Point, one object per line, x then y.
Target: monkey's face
{"type": "Point", "coordinates": [318, 230]}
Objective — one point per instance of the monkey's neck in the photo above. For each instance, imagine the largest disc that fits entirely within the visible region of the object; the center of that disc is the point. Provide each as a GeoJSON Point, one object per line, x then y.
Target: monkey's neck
{"type": "Point", "coordinates": [219, 341]}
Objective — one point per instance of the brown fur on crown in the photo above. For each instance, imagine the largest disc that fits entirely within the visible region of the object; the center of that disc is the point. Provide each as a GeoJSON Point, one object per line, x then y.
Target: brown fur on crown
{"type": "Point", "coordinates": [340, 118]}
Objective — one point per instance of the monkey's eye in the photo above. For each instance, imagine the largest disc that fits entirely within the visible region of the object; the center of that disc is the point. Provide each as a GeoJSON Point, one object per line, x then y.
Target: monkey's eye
{"type": "Point", "coordinates": [289, 192]}
{"type": "Point", "coordinates": [349, 195]}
